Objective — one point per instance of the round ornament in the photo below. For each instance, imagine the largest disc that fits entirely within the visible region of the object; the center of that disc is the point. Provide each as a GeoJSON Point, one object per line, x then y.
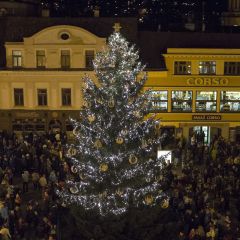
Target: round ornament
{"type": "Point", "coordinates": [119, 140]}
{"type": "Point", "coordinates": [133, 159]}
{"type": "Point", "coordinates": [148, 199]}
{"type": "Point", "coordinates": [98, 144]}
{"type": "Point", "coordinates": [124, 132]}
{"type": "Point", "coordinates": [76, 131]}
{"type": "Point", "coordinates": [100, 101]}
{"type": "Point", "coordinates": [91, 118]}
{"type": "Point", "coordinates": [82, 176]}
{"type": "Point", "coordinates": [74, 169]}
{"type": "Point", "coordinates": [137, 114]}
{"type": "Point", "coordinates": [72, 151]}
{"type": "Point", "coordinates": [103, 167]}
{"type": "Point", "coordinates": [86, 104]}
{"type": "Point", "coordinates": [144, 143]}
{"type": "Point", "coordinates": [165, 203]}
{"type": "Point", "coordinates": [111, 103]}
{"type": "Point", "coordinates": [103, 194]}
{"type": "Point", "coordinates": [73, 189]}
{"type": "Point", "coordinates": [157, 125]}
{"type": "Point", "coordinates": [119, 192]}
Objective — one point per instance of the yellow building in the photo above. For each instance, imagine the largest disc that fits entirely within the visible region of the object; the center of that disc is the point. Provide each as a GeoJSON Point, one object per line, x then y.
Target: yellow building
{"type": "Point", "coordinates": [200, 91]}
{"type": "Point", "coordinates": [42, 81]}
{"type": "Point", "coordinates": [193, 89]}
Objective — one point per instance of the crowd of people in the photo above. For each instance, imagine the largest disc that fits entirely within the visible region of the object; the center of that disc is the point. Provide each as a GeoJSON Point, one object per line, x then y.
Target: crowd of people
{"type": "Point", "coordinates": [31, 166]}
{"type": "Point", "coordinates": [204, 193]}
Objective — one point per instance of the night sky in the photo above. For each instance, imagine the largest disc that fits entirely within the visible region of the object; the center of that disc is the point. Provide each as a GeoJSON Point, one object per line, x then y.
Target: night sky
{"type": "Point", "coordinates": [161, 15]}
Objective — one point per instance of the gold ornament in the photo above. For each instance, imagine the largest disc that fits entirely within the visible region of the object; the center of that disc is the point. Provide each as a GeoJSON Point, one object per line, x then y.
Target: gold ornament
{"type": "Point", "coordinates": [144, 143]}
{"type": "Point", "coordinates": [100, 101]}
{"type": "Point", "coordinates": [165, 203]}
{"type": "Point", "coordinates": [119, 192]}
{"type": "Point", "coordinates": [98, 144]}
{"type": "Point", "coordinates": [103, 167]}
{"type": "Point", "coordinates": [148, 199]}
{"type": "Point", "coordinates": [91, 118]}
{"type": "Point", "coordinates": [103, 194]}
{"type": "Point", "coordinates": [111, 103]}
{"type": "Point", "coordinates": [119, 140]}
{"type": "Point", "coordinates": [124, 132]}
{"type": "Point", "coordinates": [157, 125]}
{"type": "Point", "coordinates": [76, 131]}
{"type": "Point", "coordinates": [86, 104]}
{"type": "Point", "coordinates": [82, 176]}
{"type": "Point", "coordinates": [72, 151]}
{"type": "Point", "coordinates": [74, 189]}
{"type": "Point", "coordinates": [133, 159]}
{"type": "Point", "coordinates": [137, 114]}
{"type": "Point", "coordinates": [74, 169]}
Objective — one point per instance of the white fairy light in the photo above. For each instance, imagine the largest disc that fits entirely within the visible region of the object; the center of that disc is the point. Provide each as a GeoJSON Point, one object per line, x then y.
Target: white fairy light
{"type": "Point", "coordinates": [104, 167]}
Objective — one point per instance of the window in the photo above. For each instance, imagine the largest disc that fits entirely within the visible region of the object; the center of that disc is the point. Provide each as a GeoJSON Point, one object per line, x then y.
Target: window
{"type": "Point", "coordinates": [206, 101]}
{"type": "Point", "coordinates": [40, 59]}
{"type": "Point", "coordinates": [232, 68]}
{"type": "Point", "coordinates": [18, 97]}
{"type": "Point", "coordinates": [159, 101]}
{"type": "Point", "coordinates": [208, 67]}
{"type": "Point", "coordinates": [66, 96]}
{"type": "Point", "coordinates": [42, 97]}
{"type": "Point", "coordinates": [16, 58]}
{"type": "Point", "coordinates": [181, 101]}
{"type": "Point", "coordinates": [65, 59]}
{"type": "Point", "coordinates": [89, 56]}
{"type": "Point", "coordinates": [230, 101]}
{"type": "Point", "coordinates": [182, 68]}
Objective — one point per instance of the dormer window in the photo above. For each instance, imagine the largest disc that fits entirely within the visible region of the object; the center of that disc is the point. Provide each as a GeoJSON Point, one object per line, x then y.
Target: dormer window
{"type": "Point", "coordinates": [17, 58]}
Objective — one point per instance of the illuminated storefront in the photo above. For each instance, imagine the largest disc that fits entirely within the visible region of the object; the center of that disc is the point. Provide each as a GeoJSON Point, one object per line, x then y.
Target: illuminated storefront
{"type": "Point", "coordinates": [202, 89]}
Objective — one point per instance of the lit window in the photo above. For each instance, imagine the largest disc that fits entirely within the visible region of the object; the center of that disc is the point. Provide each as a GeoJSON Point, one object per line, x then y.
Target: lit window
{"type": "Point", "coordinates": [42, 97]}
{"type": "Point", "coordinates": [159, 101]}
{"type": "Point", "coordinates": [182, 68]}
{"type": "Point", "coordinates": [17, 58]}
{"type": "Point", "coordinates": [206, 101]}
{"type": "Point", "coordinates": [66, 96]}
{"type": "Point", "coordinates": [181, 101]}
{"type": "Point", "coordinates": [230, 101]}
{"type": "Point", "coordinates": [89, 56]}
{"type": "Point", "coordinates": [65, 59]}
{"type": "Point", "coordinates": [40, 59]}
{"type": "Point", "coordinates": [18, 97]}
{"type": "Point", "coordinates": [208, 67]}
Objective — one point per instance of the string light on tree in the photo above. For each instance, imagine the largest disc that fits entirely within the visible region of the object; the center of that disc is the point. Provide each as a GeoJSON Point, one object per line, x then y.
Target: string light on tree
{"type": "Point", "coordinates": [114, 140]}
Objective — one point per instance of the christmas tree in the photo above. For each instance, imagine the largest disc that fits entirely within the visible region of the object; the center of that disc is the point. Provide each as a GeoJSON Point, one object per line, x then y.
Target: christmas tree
{"type": "Point", "coordinates": [114, 159]}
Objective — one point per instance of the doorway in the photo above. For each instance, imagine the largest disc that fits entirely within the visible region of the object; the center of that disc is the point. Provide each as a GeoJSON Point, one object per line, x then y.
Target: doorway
{"type": "Point", "coordinates": [205, 133]}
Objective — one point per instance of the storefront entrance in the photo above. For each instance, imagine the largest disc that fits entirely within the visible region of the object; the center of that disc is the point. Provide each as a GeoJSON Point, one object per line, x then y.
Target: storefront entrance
{"type": "Point", "coordinates": [205, 134]}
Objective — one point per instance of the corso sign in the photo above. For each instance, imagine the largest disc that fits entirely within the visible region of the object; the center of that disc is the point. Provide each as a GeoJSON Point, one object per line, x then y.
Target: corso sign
{"type": "Point", "coordinates": [206, 81]}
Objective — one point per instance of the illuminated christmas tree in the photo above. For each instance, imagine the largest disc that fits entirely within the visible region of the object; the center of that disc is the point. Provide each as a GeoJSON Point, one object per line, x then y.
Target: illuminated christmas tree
{"type": "Point", "coordinates": [114, 160]}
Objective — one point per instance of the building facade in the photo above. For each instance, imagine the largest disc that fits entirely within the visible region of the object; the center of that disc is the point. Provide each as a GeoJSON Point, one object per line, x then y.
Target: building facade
{"type": "Point", "coordinates": [199, 92]}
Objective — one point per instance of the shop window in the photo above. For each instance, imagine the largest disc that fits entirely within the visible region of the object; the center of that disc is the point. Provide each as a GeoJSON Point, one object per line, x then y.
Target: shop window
{"type": "Point", "coordinates": [42, 97]}
{"type": "Point", "coordinates": [206, 101]}
{"type": "Point", "coordinates": [232, 68]}
{"type": "Point", "coordinates": [159, 101]}
{"type": "Point", "coordinates": [208, 67]}
{"type": "Point", "coordinates": [230, 101]}
{"type": "Point", "coordinates": [182, 68]}
{"type": "Point", "coordinates": [181, 101]}
{"type": "Point", "coordinates": [66, 96]}
{"type": "Point", "coordinates": [40, 59]}
{"type": "Point", "coordinates": [16, 58]}
{"type": "Point", "coordinates": [18, 97]}
{"type": "Point", "coordinates": [89, 56]}
{"type": "Point", "coordinates": [65, 58]}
